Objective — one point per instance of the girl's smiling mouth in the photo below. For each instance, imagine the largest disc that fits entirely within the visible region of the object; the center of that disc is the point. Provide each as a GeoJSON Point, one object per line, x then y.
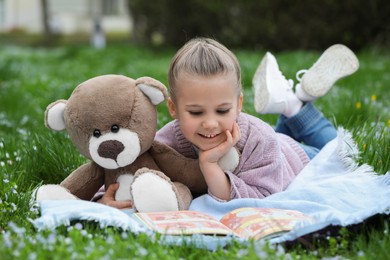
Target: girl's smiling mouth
{"type": "Point", "coordinates": [209, 136]}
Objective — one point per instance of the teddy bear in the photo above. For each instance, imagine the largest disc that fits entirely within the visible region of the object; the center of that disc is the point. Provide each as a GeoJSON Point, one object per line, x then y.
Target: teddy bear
{"type": "Point", "coordinates": [112, 121]}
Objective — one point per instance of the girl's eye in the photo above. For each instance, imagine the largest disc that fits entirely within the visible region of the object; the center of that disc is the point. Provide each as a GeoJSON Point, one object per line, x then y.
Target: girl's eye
{"type": "Point", "coordinates": [195, 113]}
{"type": "Point", "coordinates": [223, 111]}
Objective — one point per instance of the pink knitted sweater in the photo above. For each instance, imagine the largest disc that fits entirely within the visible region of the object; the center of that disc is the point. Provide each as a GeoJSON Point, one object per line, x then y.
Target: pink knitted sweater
{"type": "Point", "coordinates": [269, 160]}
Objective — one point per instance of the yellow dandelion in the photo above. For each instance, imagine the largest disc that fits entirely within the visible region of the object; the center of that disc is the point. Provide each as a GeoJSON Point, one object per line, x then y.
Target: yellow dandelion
{"type": "Point", "coordinates": [388, 123]}
{"type": "Point", "coordinates": [373, 98]}
{"type": "Point", "coordinates": [358, 105]}
{"type": "Point", "coordinates": [364, 147]}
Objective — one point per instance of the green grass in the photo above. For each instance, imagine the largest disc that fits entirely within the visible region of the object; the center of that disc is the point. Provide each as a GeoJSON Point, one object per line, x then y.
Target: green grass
{"type": "Point", "coordinates": [30, 154]}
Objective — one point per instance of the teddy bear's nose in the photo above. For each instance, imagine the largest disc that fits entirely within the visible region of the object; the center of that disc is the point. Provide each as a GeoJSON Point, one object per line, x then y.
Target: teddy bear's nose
{"type": "Point", "coordinates": [110, 149]}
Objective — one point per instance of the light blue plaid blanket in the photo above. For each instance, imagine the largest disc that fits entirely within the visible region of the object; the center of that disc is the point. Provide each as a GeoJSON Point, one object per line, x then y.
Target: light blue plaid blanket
{"type": "Point", "coordinates": [332, 188]}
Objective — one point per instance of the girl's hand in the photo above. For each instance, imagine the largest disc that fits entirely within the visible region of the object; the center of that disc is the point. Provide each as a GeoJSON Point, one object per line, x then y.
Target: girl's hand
{"type": "Point", "coordinates": [213, 155]}
{"type": "Point", "coordinates": [217, 181]}
{"type": "Point", "coordinates": [109, 198]}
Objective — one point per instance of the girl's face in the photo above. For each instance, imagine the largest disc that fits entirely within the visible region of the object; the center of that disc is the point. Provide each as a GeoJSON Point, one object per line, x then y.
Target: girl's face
{"type": "Point", "coordinates": [205, 108]}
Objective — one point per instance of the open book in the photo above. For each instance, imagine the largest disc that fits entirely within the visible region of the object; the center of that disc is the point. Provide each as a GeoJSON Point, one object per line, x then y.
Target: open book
{"type": "Point", "coordinates": [250, 223]}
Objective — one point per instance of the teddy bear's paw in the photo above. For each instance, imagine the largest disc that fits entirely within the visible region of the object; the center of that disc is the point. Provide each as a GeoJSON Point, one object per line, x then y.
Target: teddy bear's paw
{"type": "Point", "coordinates": [153, 193]}
{"type": "Point", "coordinates": [52, 192]}
{"type": "Point", "coordinates": [123, 192]}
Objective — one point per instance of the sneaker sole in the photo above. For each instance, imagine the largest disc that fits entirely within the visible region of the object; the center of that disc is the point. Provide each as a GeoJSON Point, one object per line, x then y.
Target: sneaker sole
{"type": "Point", "coordinates": [335, 63]}
{"type": "Point", "coordinates": [261, 94]}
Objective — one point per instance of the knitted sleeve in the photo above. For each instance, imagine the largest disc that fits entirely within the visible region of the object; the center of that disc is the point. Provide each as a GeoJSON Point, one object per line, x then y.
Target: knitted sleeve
{"type": "Point", "coordinates": [269, 161]}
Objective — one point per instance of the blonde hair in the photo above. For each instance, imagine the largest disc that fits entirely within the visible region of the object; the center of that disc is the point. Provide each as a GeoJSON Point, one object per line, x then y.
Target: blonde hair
{"type": "Point", "coordinates": [203, 57]}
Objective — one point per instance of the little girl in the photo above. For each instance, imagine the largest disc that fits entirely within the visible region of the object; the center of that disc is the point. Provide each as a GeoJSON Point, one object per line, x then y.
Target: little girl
{"type": "Point", "coordinates": [206, 101]}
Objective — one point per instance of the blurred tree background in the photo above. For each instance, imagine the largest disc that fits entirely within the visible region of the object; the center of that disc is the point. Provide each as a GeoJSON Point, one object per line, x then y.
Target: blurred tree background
{"type": "Point", "coordinates": [269, 24]}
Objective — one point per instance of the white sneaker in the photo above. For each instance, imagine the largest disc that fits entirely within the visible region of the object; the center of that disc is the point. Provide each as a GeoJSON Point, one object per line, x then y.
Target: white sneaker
{"type": "Point", "coordinates": [336, 62]}
{"type": "Point", "coordinates": [270, 87]}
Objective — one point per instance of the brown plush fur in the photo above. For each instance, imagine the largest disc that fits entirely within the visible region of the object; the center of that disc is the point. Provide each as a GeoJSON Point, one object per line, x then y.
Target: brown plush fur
{"type": "Point", "coordinates": [99, 104]}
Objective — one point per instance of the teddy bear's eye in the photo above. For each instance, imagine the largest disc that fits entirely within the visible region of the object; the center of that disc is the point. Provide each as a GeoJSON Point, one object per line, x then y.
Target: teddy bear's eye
{"type": "Point", "coordinates": [115, 128]}
{"type": "Point", "coordinates": [97, 133]}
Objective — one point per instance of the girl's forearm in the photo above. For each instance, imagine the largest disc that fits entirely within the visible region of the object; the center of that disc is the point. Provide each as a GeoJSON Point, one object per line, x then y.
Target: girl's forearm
{"type": "Point", "coordinates": [217, 181]}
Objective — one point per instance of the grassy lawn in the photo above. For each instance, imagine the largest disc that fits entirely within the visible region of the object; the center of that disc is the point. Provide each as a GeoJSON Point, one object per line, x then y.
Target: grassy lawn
{"type": "Point", "coordinates": [30, 154]}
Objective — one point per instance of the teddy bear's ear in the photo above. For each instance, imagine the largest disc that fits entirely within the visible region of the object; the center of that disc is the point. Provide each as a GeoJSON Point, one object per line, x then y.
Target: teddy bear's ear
{"type": "Point", "coordinates": [54, 115]}
{"type": "Point", "coordinates": [153, 89]}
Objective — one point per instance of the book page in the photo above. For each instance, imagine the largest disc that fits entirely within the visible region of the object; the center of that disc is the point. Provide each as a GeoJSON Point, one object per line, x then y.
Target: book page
{"type": "Point", "coordinates": [260, 223]}
{"type": "Point", "coordinates": [182, 223]}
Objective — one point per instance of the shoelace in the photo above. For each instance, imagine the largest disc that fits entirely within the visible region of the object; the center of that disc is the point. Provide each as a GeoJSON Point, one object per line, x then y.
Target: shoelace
{"type": "Point", "coordinates": [300, 74]}
{"type": "Point", "coordinates": [290, 81]}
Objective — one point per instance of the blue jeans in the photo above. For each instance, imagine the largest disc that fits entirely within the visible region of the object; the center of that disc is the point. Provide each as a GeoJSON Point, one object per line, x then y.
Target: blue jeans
{"type": "Point", "coordinates": [309, 128]}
